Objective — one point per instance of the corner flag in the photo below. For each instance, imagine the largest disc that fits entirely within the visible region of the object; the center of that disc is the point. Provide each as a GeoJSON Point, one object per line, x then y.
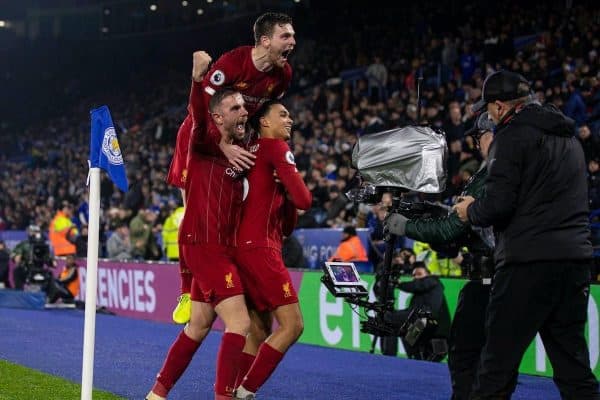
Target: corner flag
{"type": "Point", "coordinates": [105, 152]}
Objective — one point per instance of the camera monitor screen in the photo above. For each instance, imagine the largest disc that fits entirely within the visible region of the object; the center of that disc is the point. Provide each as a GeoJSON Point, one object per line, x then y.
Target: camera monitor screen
{"type": "Point", "coordinates": [343, 273]}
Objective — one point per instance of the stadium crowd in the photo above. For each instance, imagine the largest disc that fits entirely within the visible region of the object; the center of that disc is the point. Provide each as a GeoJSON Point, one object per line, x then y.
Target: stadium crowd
{"type": "Point", "coordinates": [366, 84]}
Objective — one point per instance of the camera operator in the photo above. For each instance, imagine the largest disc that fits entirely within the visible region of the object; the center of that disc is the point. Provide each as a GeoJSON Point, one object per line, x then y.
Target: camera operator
{"type": "Point", "coordinates": [66, 287]}
{"type": "Point", "coordinates": [467, 330]}
{"type": "Point", "coordinates": [428, 295]}
{"type": "Point", "coordinates": [536, 200]}
{"type": "Point", "coordinates": [32, 258]}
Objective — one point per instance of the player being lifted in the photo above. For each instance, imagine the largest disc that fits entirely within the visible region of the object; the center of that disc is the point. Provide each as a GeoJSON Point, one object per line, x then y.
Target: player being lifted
{"type": "Point", "coordinates": [268, 213]}
{"type": "Point", "coordinates": [260, 73]}
{"type": "Point", "coordinates": [267, 70]}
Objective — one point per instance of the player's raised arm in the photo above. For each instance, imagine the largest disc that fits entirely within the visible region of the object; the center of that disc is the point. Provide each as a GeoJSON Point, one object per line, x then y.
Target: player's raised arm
{"type": "Point", "coordinates": [203, 139]}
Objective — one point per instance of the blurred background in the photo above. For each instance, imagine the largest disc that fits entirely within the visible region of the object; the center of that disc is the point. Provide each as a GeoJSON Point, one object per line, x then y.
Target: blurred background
{"type": "Point", "coordinates": [355, 66]}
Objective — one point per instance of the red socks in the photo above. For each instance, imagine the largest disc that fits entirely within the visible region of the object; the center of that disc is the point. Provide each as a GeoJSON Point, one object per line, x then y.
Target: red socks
{"type": "Point", "coordinates": [266, 361]}
{"type": "Point", "coordinates": [178, 358]}
{"type": "Point", "coordinates": [228, 361]}
{"type": "Point", "coordinates": [245, 363]}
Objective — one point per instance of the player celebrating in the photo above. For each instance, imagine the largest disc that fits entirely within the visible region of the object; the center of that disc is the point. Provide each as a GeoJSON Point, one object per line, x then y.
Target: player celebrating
{"type": "Point", "coordinates": [269, 212]}
{"type": "Point", "coordinates": [260, 73]}
{"type": "Point", "coordinates": [207, 235]}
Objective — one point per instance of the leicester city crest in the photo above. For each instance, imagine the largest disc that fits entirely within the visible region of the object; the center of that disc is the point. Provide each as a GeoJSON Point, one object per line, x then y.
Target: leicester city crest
{"type": "Point", "coordinates": [110, 147]}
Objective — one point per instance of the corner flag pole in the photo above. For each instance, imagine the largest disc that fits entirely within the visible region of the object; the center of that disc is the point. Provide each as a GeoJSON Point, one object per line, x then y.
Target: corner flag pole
{"type": "Point", "coordinates": [105, 153]}
{"type": "Point", "coordinates": [91, 283]}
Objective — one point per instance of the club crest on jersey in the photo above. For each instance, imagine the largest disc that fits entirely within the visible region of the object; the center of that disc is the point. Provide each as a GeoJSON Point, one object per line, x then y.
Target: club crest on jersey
{"type": "Point", "coordinates": [184, 175]}
{"type": "Point", "coordinates": [289, 157]}
{"type": "Point", "coordinates": [110, 147]}
{"type": "Point", "coordinates": [270, 89]}
{"type": "Point", "coordinates": [229, 280]}
{"type": "Point", "coordinates": [217, 78]}
{"type": "Point", "coordinates": [287, 292]}
{"type": "Point", "coordinates": [240, 86]}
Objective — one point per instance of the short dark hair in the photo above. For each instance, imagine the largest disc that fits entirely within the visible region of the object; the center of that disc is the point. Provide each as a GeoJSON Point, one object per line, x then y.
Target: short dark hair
{"type": "Point", "coordinates": [265, 24]}
{"type": "Point", "coordinates": [261, 112]}
{"type": "Point", "coordinates": [421, 264]}
{"type": "Point", "coordinates": [218, 97]}
{"type": "Point", "coordinates": [350, 230]}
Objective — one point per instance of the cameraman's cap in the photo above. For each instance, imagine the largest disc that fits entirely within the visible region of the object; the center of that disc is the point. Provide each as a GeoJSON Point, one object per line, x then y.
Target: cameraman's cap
{"type": "Point", "coordinates": [502, 85]}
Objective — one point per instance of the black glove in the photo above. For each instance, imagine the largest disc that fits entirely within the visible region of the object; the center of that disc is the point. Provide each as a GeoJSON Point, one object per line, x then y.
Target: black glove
{"type": "Point", "coordinates": [395, 224]}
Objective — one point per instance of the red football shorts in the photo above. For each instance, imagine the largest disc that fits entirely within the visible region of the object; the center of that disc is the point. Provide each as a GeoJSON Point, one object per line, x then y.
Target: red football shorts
{"type": "Point", "coordinates": [183, 268]}
{"type": "Point", "coordinates": [216, 276]}
{"type": "Point", "coordinates": [267, 281]}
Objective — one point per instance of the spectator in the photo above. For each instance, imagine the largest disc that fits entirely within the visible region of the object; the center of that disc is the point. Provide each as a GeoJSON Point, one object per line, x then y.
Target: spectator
{"type": "Point", "coordinates": [575, 107]}
{"type": "Point", "coordinates": [350, 248]}
{"type": "Point", "coordinates": [142, 230]}
{"type": "Point", "coordinates": [118, 245]}
{"type": "Point", "coordinates": [594, 183]}
{"type": "Point", "coordinates": [377, 76]}
{"type": "Point", "coordinates": [81, 242]}
{"type": "Point", "coordinates": [63, 231]}
{"type": "Point", "coordinates": [170, 233]}
{"type": "Point", "coordinates": [589, 141]}
{"type": "Point", "coordinates": [66, 287]}
{"type": "Point", "coordinates": [336, 206]}
{"type": "Point", "coordinates": [4, 259]}
{"type": "Point", "coordinates": [292, 253]}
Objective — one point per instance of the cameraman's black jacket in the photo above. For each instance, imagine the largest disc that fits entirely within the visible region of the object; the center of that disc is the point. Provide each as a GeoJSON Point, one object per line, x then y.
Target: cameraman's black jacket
{"type": "Point", "coordinates": [450, 230]}
{"type": "Point", "coordinates": [536, 190]}
{"type": "Point", "coordinates": [428, 294]}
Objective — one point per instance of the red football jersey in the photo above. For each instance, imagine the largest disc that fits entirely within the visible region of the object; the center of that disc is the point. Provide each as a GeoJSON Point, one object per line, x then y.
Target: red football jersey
{"type": "Point", "coordinates": [213, 188]}
{"type": "Point", "coordinates": [235, 69]}
{"type": "Point", "coordinates": [178, 170]}
{"type": "Point", "coordinates": [266, 211]}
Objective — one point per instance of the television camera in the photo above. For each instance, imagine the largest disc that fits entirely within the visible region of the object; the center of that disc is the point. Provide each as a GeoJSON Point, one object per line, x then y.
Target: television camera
{"type": "Point", "coordinates": [38, 261]}
{"type": "Point", "coordinates": [398, 161]}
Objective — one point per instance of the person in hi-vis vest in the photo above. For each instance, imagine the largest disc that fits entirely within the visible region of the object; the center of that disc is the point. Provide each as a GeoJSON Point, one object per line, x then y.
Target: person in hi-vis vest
{"type": "Point", "coordinates": [350, 248]}
{"type": "Point", "coordinates": [62, 231]}
{"type": "Point", "coordinates": [170, 234]}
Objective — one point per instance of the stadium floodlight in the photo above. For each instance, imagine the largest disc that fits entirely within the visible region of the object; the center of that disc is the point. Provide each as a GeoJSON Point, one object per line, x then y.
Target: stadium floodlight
{"type": "Point", "coordinates": [2, 24]}
{"type": "Point", "coordinates": [209, 1]}
{"type": "Point", "coordinates": [153, 7]}
{"type": "Point", "coordinates": [107, 11]}
{"type": "Point", "coordinates": [184, 3]}
{"type": "Point", "coordinates": [104, 29]}
{"type": "Point", "coordinates": [199, 11]}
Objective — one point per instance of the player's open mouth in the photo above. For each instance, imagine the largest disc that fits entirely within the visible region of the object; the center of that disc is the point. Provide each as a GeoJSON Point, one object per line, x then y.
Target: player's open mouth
{"type": "Point", "coordinates": [241, 127]}
{"type": "Point", "coordinates": [288, 129]}
{"type": "Point", "coordinates": [285, 54]}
